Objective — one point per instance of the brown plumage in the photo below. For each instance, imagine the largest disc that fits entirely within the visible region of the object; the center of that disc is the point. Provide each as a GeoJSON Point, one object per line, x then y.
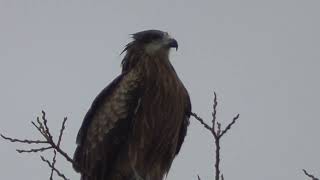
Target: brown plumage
{"type": "Point", "coordinates": [137, 124]}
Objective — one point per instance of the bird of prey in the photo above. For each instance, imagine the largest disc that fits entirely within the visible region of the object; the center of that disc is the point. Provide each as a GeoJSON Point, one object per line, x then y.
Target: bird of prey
{"type": "Point", "coordinates": [135, 127]}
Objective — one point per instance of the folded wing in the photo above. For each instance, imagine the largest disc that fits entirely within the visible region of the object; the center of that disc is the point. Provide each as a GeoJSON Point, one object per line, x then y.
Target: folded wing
{"type": "Point", "coordinates": [106, 126]}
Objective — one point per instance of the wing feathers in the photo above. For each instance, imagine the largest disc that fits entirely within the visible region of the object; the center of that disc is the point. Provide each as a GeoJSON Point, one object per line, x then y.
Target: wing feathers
{"type": "Point", "coordinates": [106, 125]}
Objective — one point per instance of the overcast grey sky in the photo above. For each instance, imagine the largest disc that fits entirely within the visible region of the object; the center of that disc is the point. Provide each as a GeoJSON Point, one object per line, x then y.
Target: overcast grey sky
{"type": "Point", "coordinates": [261, 57]}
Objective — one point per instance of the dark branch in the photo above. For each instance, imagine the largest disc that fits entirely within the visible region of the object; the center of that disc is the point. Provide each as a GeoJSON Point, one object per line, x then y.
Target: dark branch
{"type": "Point", "coordinates": [39, 128]}
{"type": "Point", "coordinates": [214, 113]}
{"type": "Point", "coordinates": [201, 121]}
{"type": "Point", "coordinates": [309, 175]}
{"type": "Point", "coordinates": [53, 168]}
{"type": "Point", "coordinates": [217, 133]}
{"type": "Point", "coordinates": [199, 177]}
{"type": "Point", "coordinates": [23, 141]}
{"type": "Point", "coordinates": [53, 163]}
{"type": "Point", "coordinates": [33, 150]}
{"type": "Point", "coordinates": [61, 131]}
{"type": "Point", "coordinates": [45, 124]}
{"type": "Point", "coordinates": [230, 124]}
{"type": "Point", "coordinates": [41, 125]}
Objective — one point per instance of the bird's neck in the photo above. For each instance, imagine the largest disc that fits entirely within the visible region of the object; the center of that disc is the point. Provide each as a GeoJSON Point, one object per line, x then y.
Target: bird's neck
{"type": "Point", "coordinates": [157, 62]}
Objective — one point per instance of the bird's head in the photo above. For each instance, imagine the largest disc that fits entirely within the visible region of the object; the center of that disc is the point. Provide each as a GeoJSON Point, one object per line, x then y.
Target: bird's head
{"type": "Point", "coordinates": [153, 41]}
{"type": "Point", "coordinates": [149, 43]}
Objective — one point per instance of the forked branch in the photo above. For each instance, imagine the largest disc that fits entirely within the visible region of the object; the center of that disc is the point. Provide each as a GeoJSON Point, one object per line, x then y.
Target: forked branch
{"type": "Point", "coordinates": [47, 143]}
{"type": "Point", "coordinates": [217, 133]}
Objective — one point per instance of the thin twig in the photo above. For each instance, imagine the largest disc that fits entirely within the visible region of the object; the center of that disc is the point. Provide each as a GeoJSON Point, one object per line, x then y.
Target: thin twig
{"type": "Point", "coordinates": [198, 177]}
{"type": "Point", "coordinates": [214, 113]}
{"type": "Point", "coordinates": [61, 131]}
{"type": "Point", "coordinates": [39, 128]}
{"type": "Point", "coordinates": [41, 125]}
{"type": "Point", "coordinates": [64, 154]}
{"type": "Point", "coordinates": [201, 121]}
{"type": "Point", "coordinates": [53, 163]}
{"type": "Point", "coordinates": [54, 169]}
{"type": "Point", "coordinates": [23, 141]}
{"type": "Point", "coordinates": [217, 133]}
{"type": "Point", "coordinates": [309, 175]}
{"type": "Point", "coordinates": [33, 150]}
{"type": "Point", "coordinates": [46, 127]}
{"type": "Point", "coordinates": [230, 124]}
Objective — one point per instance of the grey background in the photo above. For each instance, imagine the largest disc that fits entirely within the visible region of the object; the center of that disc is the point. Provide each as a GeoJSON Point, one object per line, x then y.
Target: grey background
{"type": "Point", "coordinates": [261, 57]}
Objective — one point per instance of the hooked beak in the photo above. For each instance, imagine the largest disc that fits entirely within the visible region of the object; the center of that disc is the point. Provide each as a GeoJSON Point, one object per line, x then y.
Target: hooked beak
{"type": "Point", "coordinates": [173, 44]}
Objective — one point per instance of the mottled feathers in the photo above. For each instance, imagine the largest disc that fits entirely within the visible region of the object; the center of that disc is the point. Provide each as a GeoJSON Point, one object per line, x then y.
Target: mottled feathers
{"type": "Point", "coordinates": [136, 125]}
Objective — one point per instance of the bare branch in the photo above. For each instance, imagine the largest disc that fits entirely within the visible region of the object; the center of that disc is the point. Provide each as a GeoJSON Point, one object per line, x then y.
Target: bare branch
{"type": "Point", "coordinates": [309, 175]}
{"type": "Point", "coordinates": [42, 126]}
{"type": "Point", "coordinates": [23, 141]}
{"type": "Point", "coordinates": [198, 177]}
{"type": "Point", "coordinates": [53, 168]}
{"type": "Point", "coordinates": [217, 134]}
{"type": "Point", "coordinates": [33, 150]}
{"type": "Point", "coordinates": [201, 121]}
{"type": "Point", "coordinates": [39, 128]}
{"type": "Point", "coordinates": [64, 154]}
{"type": "Point", "coordinates": [230, 125]}
{"type": "Point", "coordinates": [214, 113]}
{"type": "Point", "coordinates": [61, 131]}
{"type": "Point", "coordinates": [53, 163]}
{"type": "Point", "coordinates": [217, 159]}
{"type": "Point", "coordinates": [45, 124]}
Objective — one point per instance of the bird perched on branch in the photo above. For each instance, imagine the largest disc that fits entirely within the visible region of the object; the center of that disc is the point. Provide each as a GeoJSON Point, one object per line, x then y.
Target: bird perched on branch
{"type": "Point", "coordinates": [137, 124]}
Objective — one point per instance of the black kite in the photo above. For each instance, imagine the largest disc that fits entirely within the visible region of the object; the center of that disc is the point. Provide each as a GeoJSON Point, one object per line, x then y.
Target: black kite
{"type": "Point", "coordinates": [137, 124]}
